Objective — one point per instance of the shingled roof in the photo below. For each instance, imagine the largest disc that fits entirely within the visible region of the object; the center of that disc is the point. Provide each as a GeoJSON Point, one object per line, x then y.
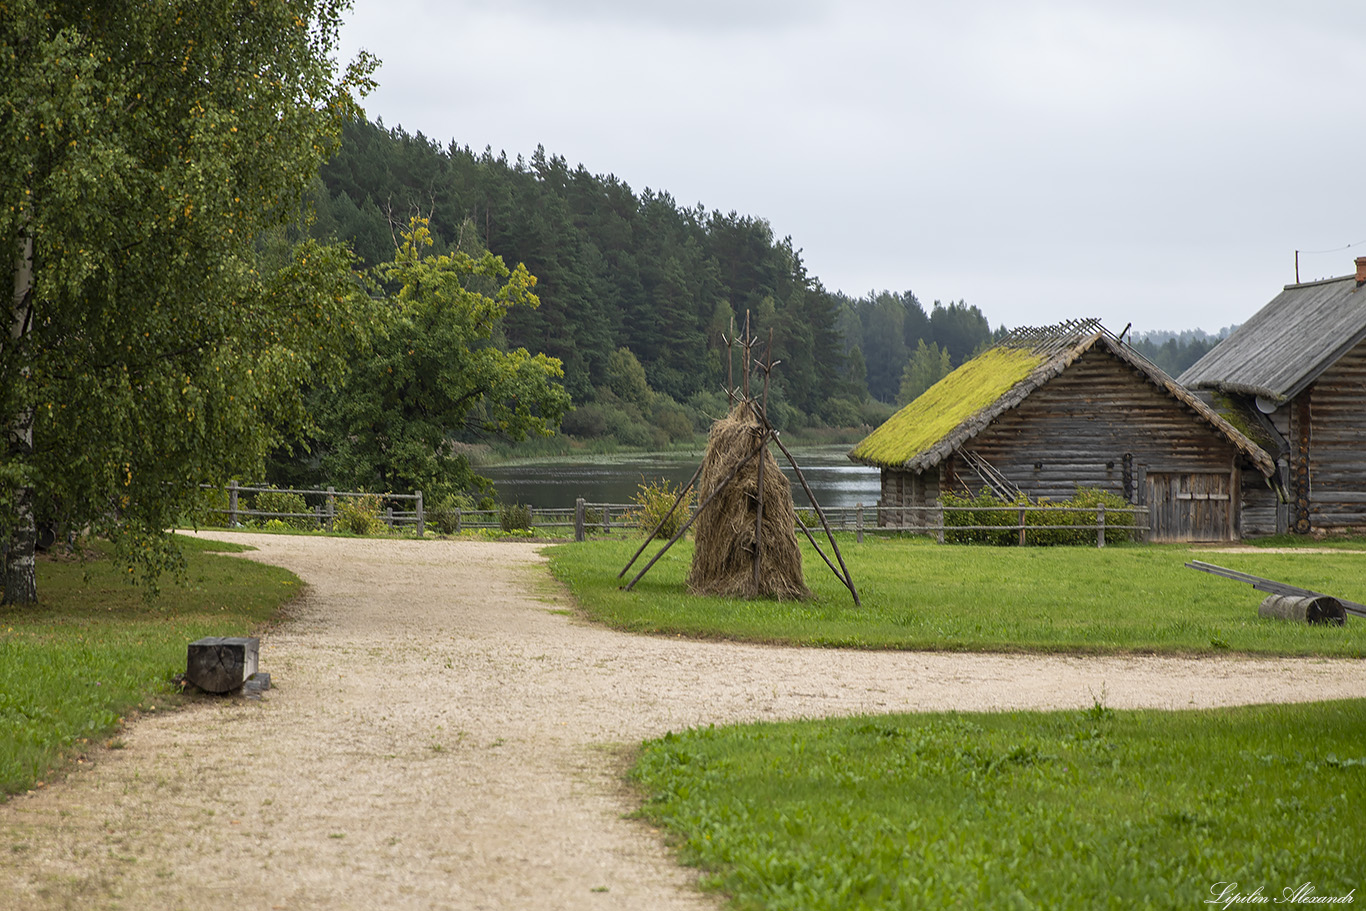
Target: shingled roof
{"type": "Point", "coordinates": [965, 402]}
{"type": "Point", "coordinates": [1288, 343]}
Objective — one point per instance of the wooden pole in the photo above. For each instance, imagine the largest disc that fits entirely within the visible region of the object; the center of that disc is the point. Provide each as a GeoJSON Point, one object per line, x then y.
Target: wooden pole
{"type": "Point", "coordinates": [578, 519]}
{"type": "Point", "coordinates": [651, 536]}
{"type": "Point", "coordinates": [847, 579]}
{"type": "Point", "coordinates": [759, 514]}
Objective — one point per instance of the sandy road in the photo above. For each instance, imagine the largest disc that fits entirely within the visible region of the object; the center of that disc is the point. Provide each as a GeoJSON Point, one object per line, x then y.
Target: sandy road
{"type": "Point", "coordinates": [446, 735]}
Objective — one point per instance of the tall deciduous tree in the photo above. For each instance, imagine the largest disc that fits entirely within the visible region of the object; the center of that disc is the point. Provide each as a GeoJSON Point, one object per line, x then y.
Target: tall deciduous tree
{"type": "Point", "coordinates": [433, 372]}
{"type": "Point", "coordinates": [144, 148]}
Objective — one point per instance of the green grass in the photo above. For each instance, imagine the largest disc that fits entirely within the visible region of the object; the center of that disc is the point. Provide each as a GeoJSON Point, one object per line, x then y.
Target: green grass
{"type": "Point", "coordinates": [1083, 809]}
{"type": "Point", "coordinates": [918, 595]}
{"type": "Point", "coordinates": [95, 649]}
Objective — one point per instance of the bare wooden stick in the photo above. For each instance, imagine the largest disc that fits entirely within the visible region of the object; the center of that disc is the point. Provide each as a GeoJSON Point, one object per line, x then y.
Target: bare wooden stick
{"type": "Point", "coordinates": [691, 519]}
{"type": "Point", "coordinates": [847, 579]}
{"type": "Point", "coordinates": [651, 536]}
{"type": "Point", "coordinates": [759, 510]}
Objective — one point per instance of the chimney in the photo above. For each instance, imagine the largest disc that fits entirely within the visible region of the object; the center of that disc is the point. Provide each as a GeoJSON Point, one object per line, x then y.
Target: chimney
{"type": "Point", "coordinates": [1361, 271]}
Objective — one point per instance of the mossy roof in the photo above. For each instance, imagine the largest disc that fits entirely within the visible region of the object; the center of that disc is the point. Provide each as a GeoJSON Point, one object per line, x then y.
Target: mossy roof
{"type": "Point", "coordinates": [946, 405]}
{"type": "Point", "coordinates": [962, 404]}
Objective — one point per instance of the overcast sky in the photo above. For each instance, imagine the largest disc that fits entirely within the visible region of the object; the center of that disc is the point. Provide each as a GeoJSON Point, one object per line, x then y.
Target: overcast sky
{"type": "Point", "coordinates": [1149, 162]}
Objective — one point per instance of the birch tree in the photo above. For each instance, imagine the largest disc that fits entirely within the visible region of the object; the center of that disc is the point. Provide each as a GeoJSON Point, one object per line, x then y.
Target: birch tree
{"type": "Point", "coordinates": [145, 146]}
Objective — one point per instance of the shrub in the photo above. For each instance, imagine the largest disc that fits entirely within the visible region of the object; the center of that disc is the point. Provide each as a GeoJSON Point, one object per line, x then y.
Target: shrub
{"type": "Point", "coordinates": [278, 501]}
{"type": "Point", "coordinates": [1038, 520]}
{"type": "Point", "coordinates": [1004, 514]}
{"type": "Point", "coordinates": [359, 515]}
{"type": "Point", "coordinates": [515, 517]}
{"type": "Point", "coordinates": [211, 510]}
{"type": "Point", "coordinates": [444, 516]}
{"type": "Point", "coordinates": [651, 504]}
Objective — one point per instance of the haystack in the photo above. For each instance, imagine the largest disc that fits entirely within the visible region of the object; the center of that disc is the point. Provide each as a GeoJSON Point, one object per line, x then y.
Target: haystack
{"type": "Point", "coordinates": [723, 555]}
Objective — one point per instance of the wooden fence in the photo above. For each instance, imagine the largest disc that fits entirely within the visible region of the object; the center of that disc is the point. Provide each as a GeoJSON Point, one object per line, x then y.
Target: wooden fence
{"type": "Point", "coordinates": [604, 518]}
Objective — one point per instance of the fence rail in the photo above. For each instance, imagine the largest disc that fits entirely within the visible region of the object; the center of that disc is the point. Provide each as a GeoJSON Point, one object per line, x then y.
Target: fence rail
{"type": "Point", "coordinates": [589, 518]}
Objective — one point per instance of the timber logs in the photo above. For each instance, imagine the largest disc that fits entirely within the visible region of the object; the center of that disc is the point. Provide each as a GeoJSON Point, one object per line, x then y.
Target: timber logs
{"type": "Point", "coordinates": [221, 664]}
{"type": "Point", "coordinates": [1305, 609]}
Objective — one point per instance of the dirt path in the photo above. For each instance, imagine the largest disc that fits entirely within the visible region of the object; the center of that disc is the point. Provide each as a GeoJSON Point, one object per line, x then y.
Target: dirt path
{"type": "Point", "coordinates": [445, 735]}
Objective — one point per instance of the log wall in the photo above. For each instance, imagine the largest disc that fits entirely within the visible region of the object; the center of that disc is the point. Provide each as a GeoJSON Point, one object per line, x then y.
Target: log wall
{"type": "Point", "coordinates": [1337, 446]}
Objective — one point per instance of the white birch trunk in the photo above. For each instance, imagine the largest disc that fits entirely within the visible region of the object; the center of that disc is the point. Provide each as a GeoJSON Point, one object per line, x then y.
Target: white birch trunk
{"type": "Point", "coordinates": [21, 582]}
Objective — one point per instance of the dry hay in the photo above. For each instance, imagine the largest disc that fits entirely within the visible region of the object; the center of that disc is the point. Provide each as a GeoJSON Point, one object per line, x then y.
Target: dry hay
{"type": "Point", "coordinates": [723, 555]}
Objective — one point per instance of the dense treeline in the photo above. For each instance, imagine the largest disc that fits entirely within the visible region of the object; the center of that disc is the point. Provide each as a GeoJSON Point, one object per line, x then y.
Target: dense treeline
{"type": "Point", "coordinates": [637, 291]}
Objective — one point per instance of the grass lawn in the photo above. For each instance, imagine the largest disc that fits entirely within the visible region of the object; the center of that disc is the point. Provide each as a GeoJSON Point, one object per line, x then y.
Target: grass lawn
{"type": "Point", "coordinates": [919, 595]}
{"type": "Point", "coordinates": [95, 649]}
{"type": "Point", "coordinates": [1081, 809]}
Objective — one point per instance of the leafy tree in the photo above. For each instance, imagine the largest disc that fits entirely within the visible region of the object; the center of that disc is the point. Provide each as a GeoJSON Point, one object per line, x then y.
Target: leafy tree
{"type": "Point", "coordinates": [144, 147]}
{"type": "Point", "coordinates": [959, 329]}
{"type": "Point", "coordinates": [433, 376]}
{"type": "Point", "coordinates": [626, 378]}
{"type": "Point", "coordinates": [926, 367]}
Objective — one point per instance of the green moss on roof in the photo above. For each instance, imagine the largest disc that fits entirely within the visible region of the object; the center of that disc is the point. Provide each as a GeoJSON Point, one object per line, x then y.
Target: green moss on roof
{"type": "Point", "coordinates": [945, 405]}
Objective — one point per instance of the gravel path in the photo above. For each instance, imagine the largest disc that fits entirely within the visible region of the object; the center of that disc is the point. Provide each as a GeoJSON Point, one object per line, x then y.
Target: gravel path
{"type": "Point", "coordinates": [445, 734]}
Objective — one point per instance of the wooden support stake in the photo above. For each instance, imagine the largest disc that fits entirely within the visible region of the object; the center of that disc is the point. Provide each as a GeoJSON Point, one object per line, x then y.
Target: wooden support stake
{"type": "Point", "coordinates": [578, 519]}
{"type": "Point", "coordinates": [651, 536]}
{"type": "Point", "coordinates": [846, 579]}
{"type": "Point", "coordinates": [759, 512]}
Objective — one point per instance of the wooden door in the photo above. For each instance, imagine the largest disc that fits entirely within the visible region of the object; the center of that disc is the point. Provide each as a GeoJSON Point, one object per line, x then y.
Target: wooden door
{"type": "Point", "coordinates": [1191, 506]}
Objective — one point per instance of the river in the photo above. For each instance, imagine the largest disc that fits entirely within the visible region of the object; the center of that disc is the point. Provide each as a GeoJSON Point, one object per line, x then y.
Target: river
{"type": "Point", "coordinates": [558, 482]}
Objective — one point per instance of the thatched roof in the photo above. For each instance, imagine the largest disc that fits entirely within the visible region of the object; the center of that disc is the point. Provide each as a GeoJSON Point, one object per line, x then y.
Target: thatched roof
{"type": "Point", "coordinates": [1303, 331]}
{"type": "Point", "coordinates": [964, 403]}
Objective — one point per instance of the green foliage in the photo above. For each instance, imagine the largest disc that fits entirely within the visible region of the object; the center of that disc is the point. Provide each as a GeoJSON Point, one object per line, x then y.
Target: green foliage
{"type": "Point", "coordinates": [433, 373]}
{"type": "Point", "coordinates": [445, 515]}
{"type": "Point", "coordinates": [1074, 809]}
{"type": "Point", "coordinates": [626, 378]}
{"type": "Point", "coordinates": [278, 501]}
{"type": "Point", "coordinates": [1041, 520]}
{"type": "Point", "coordinates": [515, 517]}
{"type": "Point", "coordinates": [95, 649]}
{"type": "Point", "coordinates": [359, 515]}
{"type": "Point", "coordinates": [927, 366]}
{"type": "Point", "coordinates": [144, 150]}
{"type": "Point", "coordinates": [652, 503]}
{"type": "Point", "coordinates": [920, 595]}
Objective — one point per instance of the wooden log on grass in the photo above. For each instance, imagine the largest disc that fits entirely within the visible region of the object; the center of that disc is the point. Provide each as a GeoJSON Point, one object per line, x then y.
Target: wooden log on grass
{"type": "Point", "coordinates": [221, 664]}
{"type": "Point", "coordinates": [1304, 609]}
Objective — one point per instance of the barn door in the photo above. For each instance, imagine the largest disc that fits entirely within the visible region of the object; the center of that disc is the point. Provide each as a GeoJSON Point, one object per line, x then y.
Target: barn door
{"type": "Point", "coordinates": [1191, 506]}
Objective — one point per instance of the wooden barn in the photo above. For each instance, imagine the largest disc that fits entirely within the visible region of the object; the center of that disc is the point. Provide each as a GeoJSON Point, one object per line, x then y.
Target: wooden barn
{"type": "Point", "coordinates": [1063, 407]}
{"type": "Point", "coordinates": [1295, 373]}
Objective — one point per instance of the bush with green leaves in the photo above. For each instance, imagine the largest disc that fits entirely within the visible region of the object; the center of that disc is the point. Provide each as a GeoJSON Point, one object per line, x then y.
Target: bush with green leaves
{"type": "Point", "coordinates": [515, 517]}
{"type": "Point", "coordinates": [652, 502]}
{"type": "Point", "coordinates": [1042, 520]}
{"type": "Point", "coordinates": [445, 515]}
{"type": "Point", "coordinates": [282, 503]}
{"type": "Point", "coordinates": [359, 515]}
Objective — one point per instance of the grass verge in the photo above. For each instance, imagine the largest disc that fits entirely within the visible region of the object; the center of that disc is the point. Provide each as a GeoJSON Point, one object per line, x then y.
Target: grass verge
{"type": "Point", "coordinates": [95, 649]}
{"type": "Point", "coordinates": [1083, 809]}
{"type": "Point", "coordinates": [918, 595]}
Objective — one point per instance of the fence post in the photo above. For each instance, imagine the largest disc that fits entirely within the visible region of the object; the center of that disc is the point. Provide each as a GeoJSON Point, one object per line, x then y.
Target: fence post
{"type": "Point", "coordinates": [421, 522]}
{"type": "Point", "coordinates": [331, 506]}
{"type": "Point", "coordinates": [1100, 525]}
{"type": "Point", "coordinates": [858, 523]}
{"type": "Point", "coordinates": [389, 516]}
{"type": "Point", "coordinates": [232, 504]}
{"type": "Point", "coordinates": [1022, 527]}
{"type": "Point", "coordinates": [457, 520]}
{"type": "Point", "coordinates": [606, 519]}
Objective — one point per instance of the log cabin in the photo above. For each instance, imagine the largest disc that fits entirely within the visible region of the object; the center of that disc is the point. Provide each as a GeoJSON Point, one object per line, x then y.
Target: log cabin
{"type": "Point", "coordinates": [1052, 409]}
{"type": "Point", "coordinates": [1295, 373]}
